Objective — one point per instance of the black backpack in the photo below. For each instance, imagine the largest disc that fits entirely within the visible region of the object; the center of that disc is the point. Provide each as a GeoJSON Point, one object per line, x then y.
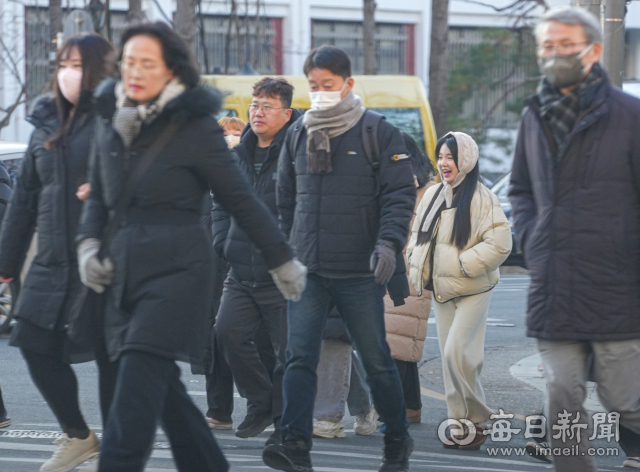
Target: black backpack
{"type": "Point", "coordinates": [370, 125]}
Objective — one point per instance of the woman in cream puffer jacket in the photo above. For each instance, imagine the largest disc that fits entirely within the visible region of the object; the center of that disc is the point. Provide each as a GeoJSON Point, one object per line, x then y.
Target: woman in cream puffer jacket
{"type": "Point", "coordinates": [459, 262]}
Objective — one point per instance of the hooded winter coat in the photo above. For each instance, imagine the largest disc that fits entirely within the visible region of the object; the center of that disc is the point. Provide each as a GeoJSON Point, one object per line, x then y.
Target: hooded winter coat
{"type": "Point", "coordinates": [455, 272]}
{"type": "Point", "coordinates": [161, 293]}
{"type": "Point", "coordinates": [45, 198]}
{"type": "Point", "coordinates": [406, 325]}
{"type": "Point", "coordinates": [248, 266]}
{"type": "Point", "coordinates": [578, 221]}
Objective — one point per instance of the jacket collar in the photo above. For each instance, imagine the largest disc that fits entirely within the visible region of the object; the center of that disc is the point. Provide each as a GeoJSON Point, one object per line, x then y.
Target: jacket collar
{"type": "Point", "coordinates": [45, 110]}
{"type": "Point", "coordinates": [196, 102]}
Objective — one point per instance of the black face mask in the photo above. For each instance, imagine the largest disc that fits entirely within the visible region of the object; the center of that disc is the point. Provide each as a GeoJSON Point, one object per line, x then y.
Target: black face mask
{"type": "Point", "coordinates": [563, 70]}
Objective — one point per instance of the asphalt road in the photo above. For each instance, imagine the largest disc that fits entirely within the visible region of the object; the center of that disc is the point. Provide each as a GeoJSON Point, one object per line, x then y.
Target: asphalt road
{"type": "Point", "coordinates": [28, 442]}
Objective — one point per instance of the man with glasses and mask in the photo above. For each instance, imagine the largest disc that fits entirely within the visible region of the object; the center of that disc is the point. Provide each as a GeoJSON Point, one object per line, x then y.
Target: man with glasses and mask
{"type": "Point", "coordinates": [575, 191]}
{"type": "Point", "coordinates": [347, 214]}
{"type": "Point", "coordinates": [250, 297]}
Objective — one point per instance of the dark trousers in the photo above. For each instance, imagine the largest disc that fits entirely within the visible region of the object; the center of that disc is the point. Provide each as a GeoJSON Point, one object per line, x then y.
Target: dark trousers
{"type": "Point", "coordinates": [359, 301]}
{"type": "Point", "coordinates": [3, 410]}
{"type": "Point", "coordinates": [242, 311]}
{"type": "Point", "coordinates": [149, 392]}
{"type": "Point", "coordinates": [57, 382]}
{"type": "Point", "coordinates": [410, 379]}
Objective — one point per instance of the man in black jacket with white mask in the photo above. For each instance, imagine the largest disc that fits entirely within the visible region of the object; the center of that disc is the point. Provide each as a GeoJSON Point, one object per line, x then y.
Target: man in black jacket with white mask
{"type": "Point", "coordinates": [347, 216]}
{"type": "Point", "coordinates": [250, 296]}
{"type": "Point", "coordinates": [576, 211]}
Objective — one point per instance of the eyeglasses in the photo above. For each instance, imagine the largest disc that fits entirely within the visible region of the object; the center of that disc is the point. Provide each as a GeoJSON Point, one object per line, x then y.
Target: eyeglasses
{"type": "Point", "coordinates": [562, 49]}
{"type": "Point", "coordinates": [266, 109]}
{"type": "Point", "coordinates": [143, 69]}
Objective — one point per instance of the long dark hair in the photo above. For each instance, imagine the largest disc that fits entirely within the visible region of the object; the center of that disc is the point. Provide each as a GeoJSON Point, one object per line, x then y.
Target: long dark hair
{"type": "Point", "coordinates": [420, 164]}
{"type": "Point", "coordinates": [175, 53]}
{"type": "Point", "coordinates": [94, 51]}
{"type": "Point", "coordinates": [464, 194]}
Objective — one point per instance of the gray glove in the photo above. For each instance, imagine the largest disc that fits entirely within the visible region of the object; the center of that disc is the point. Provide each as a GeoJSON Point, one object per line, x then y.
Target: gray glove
{"type": "Point", "coordinates": [94, 273]}
{"type": "Point", "coordinates": [383, 261]}
{"type": "Point", "coordinates": [291, 279]}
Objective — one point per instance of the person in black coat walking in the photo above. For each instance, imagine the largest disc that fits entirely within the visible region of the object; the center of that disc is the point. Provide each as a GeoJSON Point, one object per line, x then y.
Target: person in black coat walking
{"type": "Point", "coordinates": [5, 193]}
{"type": "Point", "coordinates": [576, 214]}
{"type": "Point", "coordinates": [347, 219]}
{"type": "Point", "coordinates": [250, 296]}
{"type": "Point", "coordinates": [53, 170]}
{"type": "Point", "coordinates": [159, 267]}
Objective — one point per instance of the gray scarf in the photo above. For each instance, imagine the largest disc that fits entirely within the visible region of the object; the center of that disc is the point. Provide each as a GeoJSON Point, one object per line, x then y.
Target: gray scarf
{"type": "Point", "coordinates": [129, 116]}
{"type": "Point", "coordinates": [322, 125]}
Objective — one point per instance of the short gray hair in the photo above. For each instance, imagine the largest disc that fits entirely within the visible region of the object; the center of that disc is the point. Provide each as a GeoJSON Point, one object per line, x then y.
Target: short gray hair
{"type": "Point", "coordinates": [573, 16]}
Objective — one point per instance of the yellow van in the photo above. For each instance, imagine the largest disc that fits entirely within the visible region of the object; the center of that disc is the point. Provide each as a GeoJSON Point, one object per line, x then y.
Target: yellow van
{"type": "Point", "coordinates": [400, 98]}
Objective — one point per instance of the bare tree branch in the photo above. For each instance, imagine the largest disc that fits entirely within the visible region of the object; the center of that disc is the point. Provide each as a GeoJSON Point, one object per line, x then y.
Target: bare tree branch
{"type": "Point", "coordinates": [505, 95]}
{"type": "Point", "coordinates": [9, 111]}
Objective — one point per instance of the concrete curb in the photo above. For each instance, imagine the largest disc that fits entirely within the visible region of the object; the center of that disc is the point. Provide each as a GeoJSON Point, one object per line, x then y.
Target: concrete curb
{"type": "Point", "coordinates": [526, 370]}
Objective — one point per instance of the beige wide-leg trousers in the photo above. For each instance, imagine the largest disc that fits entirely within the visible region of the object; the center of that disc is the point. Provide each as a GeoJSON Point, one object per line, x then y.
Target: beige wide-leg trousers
{"type": "Point", "coordinates": [461, 325]}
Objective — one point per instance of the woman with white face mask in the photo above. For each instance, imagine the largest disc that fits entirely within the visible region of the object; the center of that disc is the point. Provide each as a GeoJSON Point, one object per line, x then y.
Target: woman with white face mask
{"type": "Point", "coordinates": [48, 196]}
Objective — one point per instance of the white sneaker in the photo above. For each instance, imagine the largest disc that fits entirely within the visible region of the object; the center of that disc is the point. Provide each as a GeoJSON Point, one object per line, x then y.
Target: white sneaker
{"type": "Point", "coordinates": [70, 453]}
{"type": "Point", "coordinates": [633, 462]}
{"type": "Point", "coordinates": [328, 429]}
{"type": "Point", "coordinates": [366, 424]}
{"type": "Point", "coordinates": [91, 465]}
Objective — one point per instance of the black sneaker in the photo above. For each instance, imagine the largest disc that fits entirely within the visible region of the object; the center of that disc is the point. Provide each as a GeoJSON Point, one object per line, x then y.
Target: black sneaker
{"type": "Point", "coordinates": [274, 438]}
{"type": "Point", "coordinates": [254, 425]}
{"type": "Point", "coordinates": [290, 456]}
{"type": "Point", "coordinates": [397, 450]}
{"type": "Point", "coordinates": [4, 421]}
{"type": "Point", "coordinates": [540, 451]}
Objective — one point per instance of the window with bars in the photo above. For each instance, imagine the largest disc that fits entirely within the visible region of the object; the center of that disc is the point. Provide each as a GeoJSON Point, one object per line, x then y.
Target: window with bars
{"type": "Point", "coordinates": [37, 47]}
{"type": "Point", "coordinates": [490, 71]}
{"type": "Point", "coordinates": [394, 44]}
{"type": "Point", "coordinates": [227, 47]}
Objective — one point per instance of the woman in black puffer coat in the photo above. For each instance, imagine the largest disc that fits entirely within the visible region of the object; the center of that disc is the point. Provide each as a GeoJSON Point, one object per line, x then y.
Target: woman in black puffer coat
{"type": "Point", "coordinates": [158, 275]}
{"type": "Point", "coordinates": [46, 196]}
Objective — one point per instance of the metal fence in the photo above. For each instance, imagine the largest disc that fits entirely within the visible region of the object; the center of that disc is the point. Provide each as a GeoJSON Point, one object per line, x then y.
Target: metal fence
{"type": "Point", "coordinates": [38, 47]}
{"type": "Point", "coordinates": [226, 49]}
{"type": "Point", "coordinates": [509, 68]}
{"type": "Point", "coordinates": [392, 41]}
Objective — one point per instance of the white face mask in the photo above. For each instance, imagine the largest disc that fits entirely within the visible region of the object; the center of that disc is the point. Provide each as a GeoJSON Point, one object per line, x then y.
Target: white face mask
{"type": "Point", "coordinates": [324, 100]}
{"type": "Point", "coordinates": [70, 83]}
{"type": "Point", "coordinates": [232, 140]}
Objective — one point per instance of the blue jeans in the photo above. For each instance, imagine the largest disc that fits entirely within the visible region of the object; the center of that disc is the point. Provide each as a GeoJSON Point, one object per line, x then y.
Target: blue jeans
{"type": "Point", "coordinates": [359, 301]}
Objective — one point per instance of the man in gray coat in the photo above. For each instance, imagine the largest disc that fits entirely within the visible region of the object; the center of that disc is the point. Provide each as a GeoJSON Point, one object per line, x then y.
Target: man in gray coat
{"type": "Point", "coordinates": [576, 208]}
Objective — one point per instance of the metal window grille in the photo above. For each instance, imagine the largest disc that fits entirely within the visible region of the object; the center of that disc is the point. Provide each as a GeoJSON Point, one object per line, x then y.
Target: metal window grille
{"type": "Point", "coordinates": [227, 50]}
{"type": "Point", "coordinates": [37, 47]}
{"type": "Point", "coordinates": [505, 74]}
{"type": "Point", "coordinates": [391, 43]}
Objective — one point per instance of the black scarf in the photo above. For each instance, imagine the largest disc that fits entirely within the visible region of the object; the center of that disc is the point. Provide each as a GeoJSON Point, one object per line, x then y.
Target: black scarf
{"type": "Point", "coordinates": [562, 111]}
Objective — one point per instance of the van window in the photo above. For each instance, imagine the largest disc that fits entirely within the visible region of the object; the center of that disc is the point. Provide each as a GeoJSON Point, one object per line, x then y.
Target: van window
{"type": "Point", "coordinates": [224, 113]}
{"type": "Point", "coordinates": [407, 120]}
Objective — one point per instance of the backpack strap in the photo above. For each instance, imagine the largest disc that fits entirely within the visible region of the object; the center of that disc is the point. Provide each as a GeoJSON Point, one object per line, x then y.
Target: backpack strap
{"type": "Point", "coordinates": [370, 125]}
{"type": "Point", "coordinates": [294, 142]}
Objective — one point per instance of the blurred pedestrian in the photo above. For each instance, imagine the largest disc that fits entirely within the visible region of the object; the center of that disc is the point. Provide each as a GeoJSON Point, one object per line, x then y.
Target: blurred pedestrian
{"type": "Point", "coordinates": [346, 215]}
{"type": "Point", "coordinates": [232, 127]}
{"type": "Point", "coordinates": [459, 238]}
{"type": "Point", "coordinates": [54, 169]}
{"type": "Point", "coordinates": [406, 321]}
{"type": "Point", "coordinates": [4, 417]}
{"type": "Point", "coordinates": [158, 270]}
{"type": "Point", "coordinates": [250, 297]}
{"type": "Point", "coordinates": [576, 215]}
{"type": "Point", "coordinates": [341, 381]}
